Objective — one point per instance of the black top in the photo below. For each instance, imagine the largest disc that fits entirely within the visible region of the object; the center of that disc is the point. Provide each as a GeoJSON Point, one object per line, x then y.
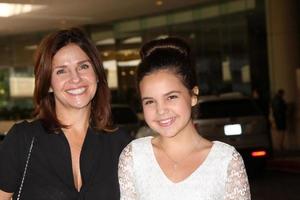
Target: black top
{"type": "Point", "coordinates": [49, 175]}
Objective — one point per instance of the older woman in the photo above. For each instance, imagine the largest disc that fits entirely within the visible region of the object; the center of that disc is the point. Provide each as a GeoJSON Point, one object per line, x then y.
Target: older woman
{"type": "Point", "coordinates": [70, 151]}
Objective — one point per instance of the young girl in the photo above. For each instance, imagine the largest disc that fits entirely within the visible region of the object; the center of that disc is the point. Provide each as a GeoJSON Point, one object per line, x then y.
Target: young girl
{"type": "Point", "coordinates": [179, 163]}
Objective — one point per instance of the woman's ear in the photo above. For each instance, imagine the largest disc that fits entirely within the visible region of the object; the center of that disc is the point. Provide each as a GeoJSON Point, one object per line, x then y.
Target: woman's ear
{"type": "Point", "coordinates": [195, 94]}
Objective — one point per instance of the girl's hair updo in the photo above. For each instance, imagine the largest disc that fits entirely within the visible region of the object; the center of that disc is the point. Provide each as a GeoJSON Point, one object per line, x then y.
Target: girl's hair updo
{"type": "Point", "coordinates": [171, 54]}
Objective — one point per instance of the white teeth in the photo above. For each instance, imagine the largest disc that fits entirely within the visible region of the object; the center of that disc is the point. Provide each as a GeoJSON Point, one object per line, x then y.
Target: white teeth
{"type": "Point", "coordinates": [166, 122]}
{"type": "Point", "coordinates": [77, 91]}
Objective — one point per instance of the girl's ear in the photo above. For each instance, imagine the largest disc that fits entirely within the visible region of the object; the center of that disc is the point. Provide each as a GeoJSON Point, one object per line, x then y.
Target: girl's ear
{"type": "Point", "coordinates": [195, 94]}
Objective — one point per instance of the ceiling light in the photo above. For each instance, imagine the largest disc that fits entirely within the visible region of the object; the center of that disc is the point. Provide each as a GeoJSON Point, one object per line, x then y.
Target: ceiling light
{"type": "Point", "coordinates": [130, 63]}
{"type": "Point", "coordinates": [127, 52]}
{"type": "Point", "coordinates": [158, 2]}
{"type": "Point", "coordinates": [31, 47]}
{"type": "Point", "coordinates": [162, 37]}
{"type": "Point", "coordinates": [108, 41]}
{"type": "Point", "coordinates": [11, 9]}
{"type": "Point", "coordinates": [133, 40]}
{"type": "Point", "coordinates": [105, 54]}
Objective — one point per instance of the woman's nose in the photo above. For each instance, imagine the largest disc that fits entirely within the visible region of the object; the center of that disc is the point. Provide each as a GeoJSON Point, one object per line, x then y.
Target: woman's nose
{"type": "Point", "coordinates": [75, 76]}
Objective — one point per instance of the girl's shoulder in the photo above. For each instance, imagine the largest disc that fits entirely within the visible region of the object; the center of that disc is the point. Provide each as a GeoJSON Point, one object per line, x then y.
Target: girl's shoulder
{"type": "Point", "coordinates": [140, 145]}
{"type": "Point", "coordinates": [223, 149]}
{"type": "Point", "coordinates": [142, 140]}
{"type": "Point", "coordinates": [223, 145]}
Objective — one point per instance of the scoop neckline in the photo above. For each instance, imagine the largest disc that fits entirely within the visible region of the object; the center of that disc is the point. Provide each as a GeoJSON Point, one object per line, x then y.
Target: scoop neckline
{"type": "Point", "coordinates": [162, 173]}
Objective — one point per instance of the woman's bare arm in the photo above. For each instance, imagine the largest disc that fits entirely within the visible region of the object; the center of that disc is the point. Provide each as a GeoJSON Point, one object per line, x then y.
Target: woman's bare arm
{"type": "Point", "coordinates": [5, 195]}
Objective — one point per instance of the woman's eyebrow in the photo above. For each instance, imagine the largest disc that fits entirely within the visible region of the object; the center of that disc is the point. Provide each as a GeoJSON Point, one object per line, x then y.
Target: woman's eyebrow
{"type": "Point", "coordinates": [83, 61]}
{"type": "Point", "coordinates": [59, 66]}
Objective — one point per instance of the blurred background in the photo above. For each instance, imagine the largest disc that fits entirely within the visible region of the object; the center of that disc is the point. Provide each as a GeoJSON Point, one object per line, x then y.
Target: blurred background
{"type": "Point", "coordinates": [245, 48]}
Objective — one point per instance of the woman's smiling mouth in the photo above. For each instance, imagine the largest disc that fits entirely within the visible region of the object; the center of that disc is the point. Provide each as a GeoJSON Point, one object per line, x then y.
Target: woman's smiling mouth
{"type": "Point", "coordinates": [76, 91]}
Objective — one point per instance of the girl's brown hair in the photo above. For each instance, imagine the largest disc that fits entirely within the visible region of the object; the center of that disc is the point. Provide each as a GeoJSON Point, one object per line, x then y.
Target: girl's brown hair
{"type": "Point", "coordinates": [171, 54]}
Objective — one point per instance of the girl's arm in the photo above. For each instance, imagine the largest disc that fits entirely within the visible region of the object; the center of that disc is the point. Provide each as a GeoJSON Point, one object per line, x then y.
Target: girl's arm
{"type": "Point", "coordinates": [237, 185]}
{"type": "Point", "coordinates": [126, 175]}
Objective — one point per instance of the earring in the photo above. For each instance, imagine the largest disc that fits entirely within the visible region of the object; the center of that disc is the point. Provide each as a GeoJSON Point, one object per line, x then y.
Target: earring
{"type": "Point", "coordinates": [50, 90]}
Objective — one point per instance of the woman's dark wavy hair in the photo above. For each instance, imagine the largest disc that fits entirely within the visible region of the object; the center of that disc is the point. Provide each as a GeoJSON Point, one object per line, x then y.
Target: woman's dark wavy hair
{"type": "Point", "coordinates": [171, 54]}
{"type": "Point", "coordinates": [100, 118]}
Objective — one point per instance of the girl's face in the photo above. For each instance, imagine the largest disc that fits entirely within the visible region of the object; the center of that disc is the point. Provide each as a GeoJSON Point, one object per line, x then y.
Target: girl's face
{"type": "Point", "coordinates": [73, 79]}
{"type": "Point", "coordinates": [166, 103]}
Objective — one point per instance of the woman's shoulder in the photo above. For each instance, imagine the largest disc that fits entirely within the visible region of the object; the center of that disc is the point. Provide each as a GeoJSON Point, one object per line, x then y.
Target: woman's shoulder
{"type": "Point", "coordinates": [20, 134]}
{"type": "Point", "coordinates": [117, 137]}
{"type": "Point", "coordinates": [115, 134]}
{"type": "Point", "coordinates": [20, 125]}
{"type": "Point", "coordinates": [24, 126]}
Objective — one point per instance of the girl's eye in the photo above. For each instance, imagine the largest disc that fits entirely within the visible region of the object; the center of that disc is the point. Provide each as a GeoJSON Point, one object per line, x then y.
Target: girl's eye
{"type": "Point", "coordinates": [172, 97]}
{"type": "Point", "coordinates": [148, 102]}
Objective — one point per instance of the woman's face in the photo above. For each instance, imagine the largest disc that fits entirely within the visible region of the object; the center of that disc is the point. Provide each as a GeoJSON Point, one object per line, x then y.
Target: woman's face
{"type": "Point", "coordinates": [73, 80]}
{"type": "Point", "coordinates": [166, 103]}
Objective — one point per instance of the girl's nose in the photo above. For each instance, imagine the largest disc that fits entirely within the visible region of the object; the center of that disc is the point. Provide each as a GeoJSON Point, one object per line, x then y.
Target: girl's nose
{"type": "Point", "coordinates": [161, 109]}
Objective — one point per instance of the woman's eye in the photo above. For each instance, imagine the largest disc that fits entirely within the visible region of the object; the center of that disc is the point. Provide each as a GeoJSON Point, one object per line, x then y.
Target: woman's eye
{"type": "Point", "coordinates": [84, 66]}
{"type": "Point", "coordinates": [60, 71]}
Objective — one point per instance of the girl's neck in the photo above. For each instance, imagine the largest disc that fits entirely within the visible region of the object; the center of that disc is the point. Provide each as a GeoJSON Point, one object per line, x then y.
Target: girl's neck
{"type": "Point", "coordinates": [186, 139]}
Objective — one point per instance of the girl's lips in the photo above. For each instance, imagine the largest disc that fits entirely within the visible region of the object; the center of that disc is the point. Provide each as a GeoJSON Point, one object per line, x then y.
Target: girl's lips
{"type": "Point", "coordinates": [76, 91]}
{"type": "Point", "coordinates": [166, 122]}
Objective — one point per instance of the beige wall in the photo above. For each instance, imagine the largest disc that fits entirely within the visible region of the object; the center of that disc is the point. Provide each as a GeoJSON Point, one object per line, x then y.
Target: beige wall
{"type": "Point", "coordinates": [283, 49]}
{"type": "Point", "coordinates": [5, 126]}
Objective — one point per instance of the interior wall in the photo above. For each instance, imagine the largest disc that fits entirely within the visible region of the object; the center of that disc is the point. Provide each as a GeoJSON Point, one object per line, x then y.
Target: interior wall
{"type": "Point", "coordinates": [283, 52]}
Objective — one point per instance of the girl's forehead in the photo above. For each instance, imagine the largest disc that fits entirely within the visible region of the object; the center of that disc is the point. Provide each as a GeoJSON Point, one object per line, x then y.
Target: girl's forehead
{"type": "Point", "coordinates": [161, 81]}
{"type": "Point", "coordinates": [164, 75]}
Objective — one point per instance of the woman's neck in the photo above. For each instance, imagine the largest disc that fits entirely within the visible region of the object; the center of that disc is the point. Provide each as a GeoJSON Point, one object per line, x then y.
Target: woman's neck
{"type": "Point", "coordinates": [75, 119]}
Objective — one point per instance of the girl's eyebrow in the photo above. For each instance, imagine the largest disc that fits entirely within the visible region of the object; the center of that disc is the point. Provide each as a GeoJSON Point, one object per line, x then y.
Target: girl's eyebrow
{"type": "Point", "coordinates": [166, 94]}
{"type": "Point", "coordinates": [171, 92]}
{"type": "Point", "coordinates": [146, 98]}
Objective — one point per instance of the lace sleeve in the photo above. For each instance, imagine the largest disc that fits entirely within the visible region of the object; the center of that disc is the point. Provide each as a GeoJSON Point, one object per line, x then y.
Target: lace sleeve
{"type": "Point", "coordinates": [237, 185]}
{"type": "Point", "coordinates": [125, 173]}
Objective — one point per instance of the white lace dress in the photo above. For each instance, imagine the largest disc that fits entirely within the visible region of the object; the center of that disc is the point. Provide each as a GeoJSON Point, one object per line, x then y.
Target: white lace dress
{"type": "Point", "coordinates": [221, 176]}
